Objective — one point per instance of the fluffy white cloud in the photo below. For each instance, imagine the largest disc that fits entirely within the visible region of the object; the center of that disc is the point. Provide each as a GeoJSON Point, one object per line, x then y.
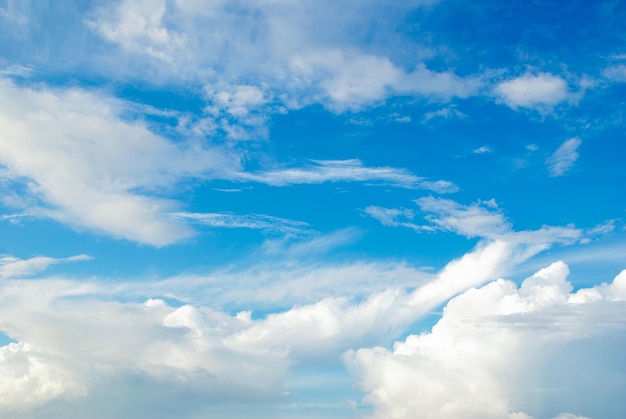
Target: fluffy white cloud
{"type": "Point", "coordinates": [536, 91]}
{"type": "Point", "coordinates": [564, 157]}
{"type": "Point", "coordinates": [63, 328]}
{"type": "Point", "coordinates": [279, 46]}
{"type": "Point", "coordinates": [196, 349]}
{"type": "Point", "coordinates": [500, 350]}
{"type": "Point", "coordinates": [27, 379]}
{"type": "Point", "coordinates": [65, 347]}
{"type": "Point", "coordinates": [351, 81]}
{"type": "Point", "coordinates": [138, 26]}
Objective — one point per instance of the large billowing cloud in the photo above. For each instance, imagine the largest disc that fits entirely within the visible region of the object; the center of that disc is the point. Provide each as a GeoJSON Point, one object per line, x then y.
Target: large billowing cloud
{"type": "Point", "coordinates": [226, 354]}
{"type": "Point", "coordinates": [502, 351]}
{"type": "Point", "coordinates": [498, 349]}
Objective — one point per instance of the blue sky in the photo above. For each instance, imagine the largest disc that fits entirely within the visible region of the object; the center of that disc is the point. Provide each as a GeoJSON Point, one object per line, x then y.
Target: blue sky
{"type": "Point", "coordinates": [303, 209]}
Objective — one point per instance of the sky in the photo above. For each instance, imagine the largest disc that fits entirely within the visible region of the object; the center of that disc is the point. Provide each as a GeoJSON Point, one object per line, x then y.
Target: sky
{"type": "Point", "coordinates": [312, 208]}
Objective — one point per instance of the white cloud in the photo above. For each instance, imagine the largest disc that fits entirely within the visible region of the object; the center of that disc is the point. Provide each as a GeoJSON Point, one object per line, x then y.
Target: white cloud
{"type": "Point", "coordinates": [346, 171]}
{"type": "Point", "coordinates": [138, 27]}
{"type": "Point", "coordinates": [352, 81]}
{"type": "Point", "coordinates": [445, 113]}
{"type": "Point", "coordinates": [87, 169]}
{"type": "Point", "coordinates": [251, 221]}
{"type": "Point", "coordinates": [499, 351]}
{"type": "Point", "coordinates": [616, 73]}
{"type": "Point", "coordinates": [564, 157]}
{"type": "Point", "coordinates": [484, 219]}
{"type": "Point", "coordinates": [278, 46]}
{"type": "Point", "coordinates": [74, 354]}
{"type": "Point", "coordinates": [84, 164]}
{"type": "Point", "coordinates": [238, 100]}
{"type": "Point", "coordinates": [197, 349]}
{"type": "Point", "coordinates": [240, 110]}
{"type": "Point", "coordinates": [476, 220]}
{"type": "Point", "coordinates": [391, 217]}
{"type": "Point", "coordinates": [535, 91]}
{"type": "Point", "coordinates": [27, 380]}
{"type": "Point", "coordinates": [484, 149]}
{"type": "Point", "coordinates": [11, 267]}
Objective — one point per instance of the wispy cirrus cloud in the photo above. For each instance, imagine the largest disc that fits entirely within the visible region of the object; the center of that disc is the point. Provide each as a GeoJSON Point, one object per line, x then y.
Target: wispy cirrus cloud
{"type": "Point", "coordinates": [615, 73]}
{"type": "Point", "coordinates": [12, 267]}
{"type": "Point", "coordinates": [353, 170]}
{"type": "Point", "coordinates": [98, 170]}
{"type": "Point", "coordinates": [481, 219]}
{"type": "Point", "coordinates": [563, 159]}
{"type": "Point", "coordinates": [251, 221]}
{"type": "Point", "coordinates": [395, 217]}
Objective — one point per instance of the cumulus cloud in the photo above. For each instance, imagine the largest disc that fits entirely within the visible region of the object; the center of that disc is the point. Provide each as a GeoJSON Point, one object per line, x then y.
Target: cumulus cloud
{"type": "Point", "coordinates": [223, 356]}
{"type": "Point", "coordinates": [181, 346]}
{"type": "Point", "coordinates": [27, 380]}
{"type": "Point", "coordinates": [534, 91]}
{"type": "Point", "coordinates": [195, 349]}
{"type": "Point", "coordinates": [562, 160]}
{"type": "Point", "coordinates": [503, 351]}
